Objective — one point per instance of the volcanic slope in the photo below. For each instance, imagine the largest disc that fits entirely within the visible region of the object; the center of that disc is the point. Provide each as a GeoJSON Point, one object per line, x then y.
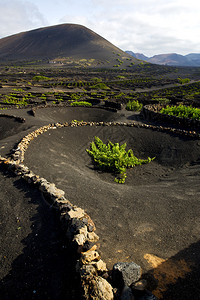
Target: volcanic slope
{"type": "Point", "coordinates": [60, 41]}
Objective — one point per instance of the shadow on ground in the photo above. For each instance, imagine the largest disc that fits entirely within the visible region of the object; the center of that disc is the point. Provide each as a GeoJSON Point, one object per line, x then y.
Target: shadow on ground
{"type": "Point", "coordinates": [177, 277]}
{"type": "Point", "coordinates": [40, 264]}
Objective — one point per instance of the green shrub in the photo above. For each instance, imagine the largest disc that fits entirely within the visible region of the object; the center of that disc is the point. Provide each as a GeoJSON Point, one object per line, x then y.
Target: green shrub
{"type": "Point", "coordinates": [182, 111]}
{"type": "Point", "coordinates": [99, 86]}
{"type": "Point", "coordinates": [161, 100]}
{"type": "Point", "coordinates": [183, 80]}
{"type": "Point", "coordinates": [39, 78]}
{"type": "Point", "coordinates": [81, 103]}
{"type": "Point", "coordinates": [134, 105]}
{"type": "Point", "coordinates": [114, 158]}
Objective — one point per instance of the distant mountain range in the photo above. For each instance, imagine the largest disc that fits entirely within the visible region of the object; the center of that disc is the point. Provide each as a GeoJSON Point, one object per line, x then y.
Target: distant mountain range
{"type": "Point", "coordinates": [171, 59]}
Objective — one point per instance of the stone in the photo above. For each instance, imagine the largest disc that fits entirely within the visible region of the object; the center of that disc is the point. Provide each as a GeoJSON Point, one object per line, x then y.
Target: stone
{"type": "Point", "coordinates": [89, 256]}
{"type": "Point", "coordinates": [87, 270]}
{"type": "Point", "coordinates": [102, 289]}
{"type": "Point", "coordinates": [78, 226]}
{"type": "Point", "coordinates": [125, 273]}
{"type": "Point", "coordinates": [144, 295]}
{"type": "Point", "coordinates": [96, 288]}
{"type": "Point", "coordinates": [92, 237]}
{"type": "Point", "coordinates": [127, 294]}
{"type": "Point", "coordinates": [88, 246]}
{"type": "Point", "coordinates": [79, 239]}
{"type": "Point", "coordinates": [139, 285]}
{"type": "Point", "coordinates": [91, 225]}
{"type": "Point", "coordinates": [101, 266]}
{"type": "Point", "coordinates": [76, 213]}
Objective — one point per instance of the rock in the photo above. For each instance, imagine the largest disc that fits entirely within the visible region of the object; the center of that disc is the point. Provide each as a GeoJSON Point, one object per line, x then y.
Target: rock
{"type": "Point", "coordinates": [143, 295]}
{"type": "Point", "coordinates": [91, 225]}
{"type": "Point", "coordinates": [103, 289]}
{"type": "Point", "coordinates": [89, 256]}
{"type": "Point", "coordinates": [101, 266]}
{"type": "Point", "coordinates": [79, 239]}
{"type": "Point", "coordinates": [92, 237]}
{"type": "Point", "coordinates": [125, 273]}
{"type": "Point", "coordinates": [139, 285]}
{"type": "Point", "coordinates": [78, 226]}
{"type": "Point", "coordinates": [88, 246]}
{"type": "Point", "coordinates": [87, 270]}
{"type": "Point", "coordinates": [97, 288]}
{"type": "Point", "coordinates": [127, 294]}
{"type": "Point", "coordinates": [75, 213]}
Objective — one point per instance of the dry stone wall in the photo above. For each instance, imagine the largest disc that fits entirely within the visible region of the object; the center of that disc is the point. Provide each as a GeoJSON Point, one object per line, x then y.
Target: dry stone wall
{"type": "Point", "coordinates": [19, 119]}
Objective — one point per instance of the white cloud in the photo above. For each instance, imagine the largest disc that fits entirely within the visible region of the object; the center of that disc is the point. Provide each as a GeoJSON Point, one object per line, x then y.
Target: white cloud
{"type": "Point", "coordinates": [148, 26]}
{"type": "Point", "coordinates": [17, 16]}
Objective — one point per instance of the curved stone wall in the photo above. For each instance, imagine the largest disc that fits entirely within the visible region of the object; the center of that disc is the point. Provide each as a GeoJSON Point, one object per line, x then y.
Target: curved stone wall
{"type": "Point", "coordinates": [19, 119]}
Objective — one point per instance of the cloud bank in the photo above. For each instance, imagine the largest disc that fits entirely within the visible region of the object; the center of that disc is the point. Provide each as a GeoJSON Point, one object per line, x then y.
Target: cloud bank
{"type": "Point", "coordinates": [17, 16]}
{"type": "Point", "coordinates": [146, 26]}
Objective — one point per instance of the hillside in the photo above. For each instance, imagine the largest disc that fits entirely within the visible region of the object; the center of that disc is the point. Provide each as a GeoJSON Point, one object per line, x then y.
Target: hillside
{"type": "Point", "coordinates": [58, 42]}
{"type": "Point", "coordinates": [171, 59]}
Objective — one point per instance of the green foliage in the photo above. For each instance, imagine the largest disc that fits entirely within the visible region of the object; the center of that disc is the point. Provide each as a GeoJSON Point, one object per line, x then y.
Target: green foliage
{"type": "Point", "coordinates": [161, 100]}
{"type": "Point", "coordinates": [99, 86]}
{"type": "Point", "coordinates": [121, 77]}
{"type": "Point", "coordinates": [134, 105]}
{"type": "Point", "coordinates": [183, 80]}
{"type": "Point", "coordinates": [40, 78]}
{"type": "Point", "coordinates": [114, 158]}
{"type": "Point", "coordinates": [12, 99]}
{"type": "Point", "coordinates": [182, 111]}
{"type": "Point", "coordinates": [97, 79]}
{"type": "Point", "coordinates": [81, 103]}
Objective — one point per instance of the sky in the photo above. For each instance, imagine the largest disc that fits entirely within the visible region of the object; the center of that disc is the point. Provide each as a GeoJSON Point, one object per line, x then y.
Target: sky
{"type": "Point", "coordinates": [143, 26]}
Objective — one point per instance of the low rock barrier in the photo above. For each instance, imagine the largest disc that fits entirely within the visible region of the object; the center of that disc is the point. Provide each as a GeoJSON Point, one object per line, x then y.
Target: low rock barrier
{"type": "Point", "coordinates": [19, 119]}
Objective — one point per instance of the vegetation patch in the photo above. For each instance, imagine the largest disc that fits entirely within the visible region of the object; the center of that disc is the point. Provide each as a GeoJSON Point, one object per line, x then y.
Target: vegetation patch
{"type": "Point", "coordinates": [114, 158]}
{"type": "Point", "coordinates": [134, 105]}
{"type": "Point", "coordinates": [99, 86]}
{"type": "Point", "coordinates": [81, 103]}
{"type": "Point", "coordinates": [183, 80]}
{"type": "Point", "coordinates": [182, 111]}
{"type": "Point", "coordinates": [40, 78]}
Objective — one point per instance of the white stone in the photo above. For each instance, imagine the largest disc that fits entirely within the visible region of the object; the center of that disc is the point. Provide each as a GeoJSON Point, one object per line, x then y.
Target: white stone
{"type": "Point", "coordinates": [76, 213]}
{"type": "Point", "coordinates": [104, 290]}
{"type": "Point", "coordinates": [92, 237]}
{"type": "Point", "coordinates": [101, 266]}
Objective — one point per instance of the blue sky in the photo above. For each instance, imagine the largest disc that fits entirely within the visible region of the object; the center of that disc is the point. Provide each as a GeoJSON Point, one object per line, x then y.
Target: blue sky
{"type": "Point", "coordinates": [145, 26]}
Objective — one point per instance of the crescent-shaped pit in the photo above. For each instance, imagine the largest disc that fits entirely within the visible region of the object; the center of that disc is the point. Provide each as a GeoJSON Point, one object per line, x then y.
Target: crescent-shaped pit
{"type": "Point", "coordinates": [157, 209]}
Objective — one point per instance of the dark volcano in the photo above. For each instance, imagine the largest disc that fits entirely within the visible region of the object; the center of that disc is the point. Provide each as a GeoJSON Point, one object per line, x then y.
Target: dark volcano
{"type": "Point", "coordinates": [66, 40]}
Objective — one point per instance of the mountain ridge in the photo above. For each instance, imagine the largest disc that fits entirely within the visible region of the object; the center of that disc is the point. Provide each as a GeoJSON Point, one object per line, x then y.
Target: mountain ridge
{"type": "Point", "coordinates": [170, 59]}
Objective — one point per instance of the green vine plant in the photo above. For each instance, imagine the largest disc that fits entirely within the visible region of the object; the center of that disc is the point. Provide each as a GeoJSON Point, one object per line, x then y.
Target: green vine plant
{"type": "Point", "coordinates": [114, 158]}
